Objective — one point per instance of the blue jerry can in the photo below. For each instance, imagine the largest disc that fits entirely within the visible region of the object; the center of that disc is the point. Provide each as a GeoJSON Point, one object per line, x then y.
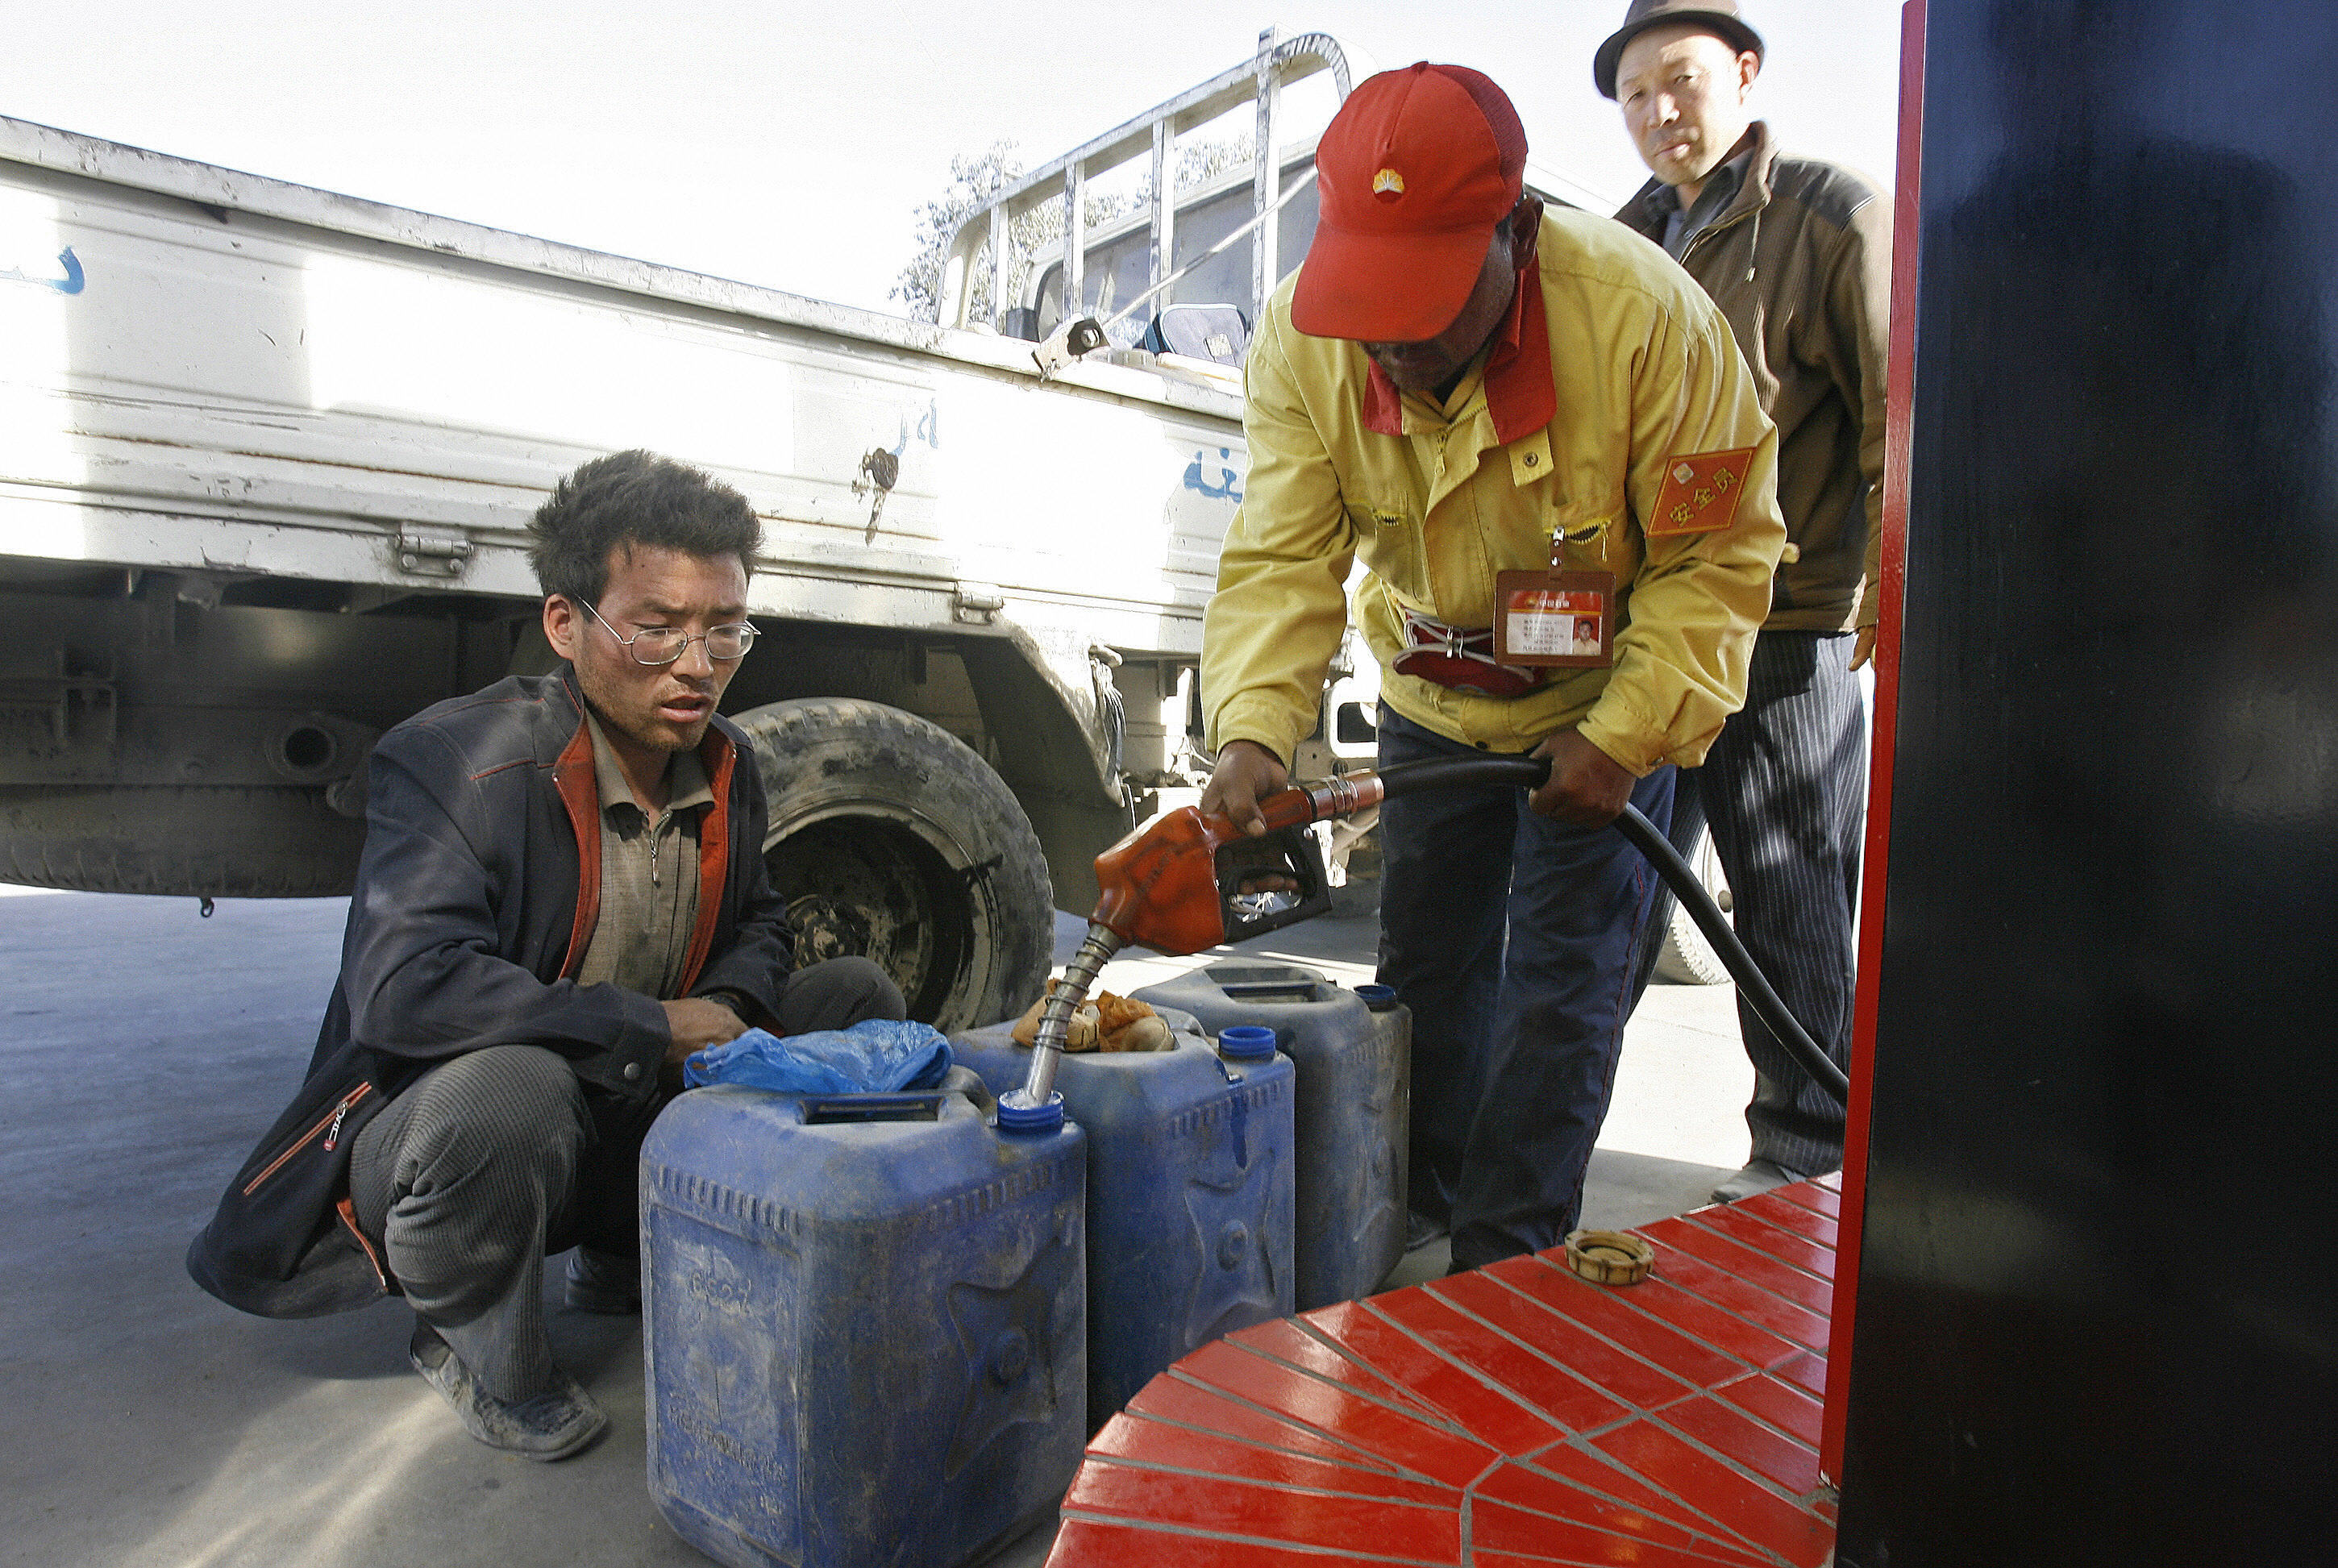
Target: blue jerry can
{"type": "Point", "coordinates": [1352, 1050]}
{"type": "Point", "coordinates": [864, 1338]}
{"type": "Point", "coordinates": [1189, 1196]}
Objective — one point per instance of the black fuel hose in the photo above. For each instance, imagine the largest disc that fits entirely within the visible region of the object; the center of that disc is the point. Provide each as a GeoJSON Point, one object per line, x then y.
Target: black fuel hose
{"type": "Point", "coordinates": [1527, 772]}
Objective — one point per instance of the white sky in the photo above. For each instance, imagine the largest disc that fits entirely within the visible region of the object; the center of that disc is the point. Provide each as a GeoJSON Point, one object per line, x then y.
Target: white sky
{"type": "Point", "coordinates": [788, 144]}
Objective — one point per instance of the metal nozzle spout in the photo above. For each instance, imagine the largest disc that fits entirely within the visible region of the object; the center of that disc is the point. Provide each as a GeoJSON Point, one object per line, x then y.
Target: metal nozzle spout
{"type": "Point", "coordinates": [1056, 1019]}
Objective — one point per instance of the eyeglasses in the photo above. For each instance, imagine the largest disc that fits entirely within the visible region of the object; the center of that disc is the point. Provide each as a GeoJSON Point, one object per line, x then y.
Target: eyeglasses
{"type": "Point", "coordinates": [656, 646]}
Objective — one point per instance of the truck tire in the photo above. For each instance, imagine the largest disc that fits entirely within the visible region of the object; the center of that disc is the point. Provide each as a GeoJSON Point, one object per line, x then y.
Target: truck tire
{"type": "Point", "coordinates": [890, 838]}
{"type": "Point", "coordinates": [1686, 958]}
{"type": "Point", "coordinates": [188, 841]}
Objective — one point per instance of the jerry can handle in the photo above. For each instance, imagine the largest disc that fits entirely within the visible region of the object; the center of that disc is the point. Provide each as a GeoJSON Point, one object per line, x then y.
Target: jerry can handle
{"type": "Point", "coordinates": [825, 1109]}
{"type": "Point", "coordinates": [1266, 990]}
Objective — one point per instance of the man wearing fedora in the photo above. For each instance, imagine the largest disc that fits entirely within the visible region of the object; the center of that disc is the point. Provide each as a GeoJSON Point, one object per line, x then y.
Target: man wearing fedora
{"type": "Point", "coordinates": [1519, 421]}
{"type": "Point", "coordinates": [1797, 254]}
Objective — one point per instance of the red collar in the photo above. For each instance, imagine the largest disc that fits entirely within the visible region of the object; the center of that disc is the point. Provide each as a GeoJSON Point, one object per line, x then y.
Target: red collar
{"type": "Point", "coordinates": [1519, 392]}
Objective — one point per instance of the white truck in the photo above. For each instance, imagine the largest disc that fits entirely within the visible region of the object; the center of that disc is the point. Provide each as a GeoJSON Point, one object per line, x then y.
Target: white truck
{"type": "Point", "coordinates": [267, 455]}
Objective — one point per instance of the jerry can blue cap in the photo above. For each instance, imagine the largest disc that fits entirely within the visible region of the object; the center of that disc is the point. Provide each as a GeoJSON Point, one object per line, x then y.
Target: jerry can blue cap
{"type": "Point", "coordinates": [1246, 1041]}
{"type": "Point", "coordinates": [1015, 1115]}
{"type": "Point", "coordinates": [1378, 998]}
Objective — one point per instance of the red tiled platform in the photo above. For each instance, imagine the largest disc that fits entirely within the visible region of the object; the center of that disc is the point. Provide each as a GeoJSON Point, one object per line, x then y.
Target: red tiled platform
{"type": "Point", "coordinates": [1511, 1417]}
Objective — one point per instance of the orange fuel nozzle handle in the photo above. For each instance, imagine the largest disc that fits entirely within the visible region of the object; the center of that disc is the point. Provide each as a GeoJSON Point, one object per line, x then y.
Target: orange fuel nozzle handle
{"type": "Point", "coordinates": [1159, 885]}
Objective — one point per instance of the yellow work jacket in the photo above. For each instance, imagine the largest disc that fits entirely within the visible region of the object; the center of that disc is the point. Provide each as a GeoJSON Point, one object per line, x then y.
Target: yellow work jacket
{"type": "Point", "coordinates": [1646, 374]}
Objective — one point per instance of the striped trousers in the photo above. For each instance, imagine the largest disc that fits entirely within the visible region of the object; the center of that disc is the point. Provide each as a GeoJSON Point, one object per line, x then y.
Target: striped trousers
{"type": "Point", "coordinates": [1784, 792]}
{"type": "Point", "coordinates": [493, 1161]}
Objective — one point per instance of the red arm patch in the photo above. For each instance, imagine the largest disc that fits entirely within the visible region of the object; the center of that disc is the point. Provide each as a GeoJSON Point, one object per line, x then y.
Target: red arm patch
{"type": "Point", "coordinates": [1701, 491]}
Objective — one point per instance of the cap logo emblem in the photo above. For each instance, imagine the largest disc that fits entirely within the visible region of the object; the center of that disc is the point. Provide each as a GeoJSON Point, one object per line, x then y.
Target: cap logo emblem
{"type": "Point", "coordinates": [1388, 184]}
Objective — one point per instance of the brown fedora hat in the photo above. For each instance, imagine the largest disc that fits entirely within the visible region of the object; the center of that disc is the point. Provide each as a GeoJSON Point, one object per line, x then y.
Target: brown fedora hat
{"type": "Point", "coordinates": [1719, 16]}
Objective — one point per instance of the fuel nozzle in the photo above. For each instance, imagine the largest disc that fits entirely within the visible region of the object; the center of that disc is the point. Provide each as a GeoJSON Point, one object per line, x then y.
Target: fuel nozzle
{"type": "Point", "coordinates": [1162, 888]}
{"type": "Point", "coordinates": [1173, 885]}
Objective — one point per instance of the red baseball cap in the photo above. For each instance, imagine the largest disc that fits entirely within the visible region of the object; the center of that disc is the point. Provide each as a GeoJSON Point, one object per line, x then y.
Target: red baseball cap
{"type": "Point", "coordinates": [1413, 173]}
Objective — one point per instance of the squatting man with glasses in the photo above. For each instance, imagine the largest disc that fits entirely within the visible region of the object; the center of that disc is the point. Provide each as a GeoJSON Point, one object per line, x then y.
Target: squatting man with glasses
{"type": "Point", "coordinates": [562, 896]}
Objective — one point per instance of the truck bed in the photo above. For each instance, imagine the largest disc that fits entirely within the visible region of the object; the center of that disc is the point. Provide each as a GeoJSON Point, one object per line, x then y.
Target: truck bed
{"type": "Point", "coordinates": [216, 372]}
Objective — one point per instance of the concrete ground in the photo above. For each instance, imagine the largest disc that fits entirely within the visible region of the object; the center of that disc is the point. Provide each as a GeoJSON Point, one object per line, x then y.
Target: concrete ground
{"type": "Point", "coordinates": [143, 1050]}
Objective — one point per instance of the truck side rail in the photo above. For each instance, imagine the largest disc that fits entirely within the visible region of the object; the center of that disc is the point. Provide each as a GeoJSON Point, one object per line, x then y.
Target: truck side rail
{"type": "Point", "coordinates": [1278, 63]}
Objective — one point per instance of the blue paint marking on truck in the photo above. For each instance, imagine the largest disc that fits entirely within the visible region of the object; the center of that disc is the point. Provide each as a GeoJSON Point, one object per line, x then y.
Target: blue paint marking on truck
{"type": "Point", "coordinates": [1229, 486]}
{"type": "Point", "coordinates": [69, 284]}
{"type": "Point", "coordinates": [929, 430]}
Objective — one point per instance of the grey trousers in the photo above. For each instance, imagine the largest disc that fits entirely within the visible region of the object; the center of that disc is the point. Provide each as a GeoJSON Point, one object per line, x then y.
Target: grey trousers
{"type": "Point", "coordinates": [1784, 790]}
{"type": "Point", "coordinates": [490, 1162]}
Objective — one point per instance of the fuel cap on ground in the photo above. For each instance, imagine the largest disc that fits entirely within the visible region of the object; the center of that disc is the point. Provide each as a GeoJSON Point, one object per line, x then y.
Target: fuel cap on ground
{"type": "Point", "coordinates": [1609, 1256]}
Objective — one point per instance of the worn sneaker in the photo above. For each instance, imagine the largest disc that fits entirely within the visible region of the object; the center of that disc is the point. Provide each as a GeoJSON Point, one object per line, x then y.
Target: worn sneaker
{"type": "Point", "coordinates": [1759, 1176]}
{"type": "Point", "coordinates": [559, 1421]}
{"type": "Point", "coordinates": [606, 1282]}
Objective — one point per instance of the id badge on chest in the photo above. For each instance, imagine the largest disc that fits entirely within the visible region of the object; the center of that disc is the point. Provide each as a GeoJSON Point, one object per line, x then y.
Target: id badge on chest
{"type": "Point", "coordinates": [1555, 617]}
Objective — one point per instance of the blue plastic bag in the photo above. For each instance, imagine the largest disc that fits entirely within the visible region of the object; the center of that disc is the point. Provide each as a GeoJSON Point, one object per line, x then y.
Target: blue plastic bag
{"type": "Point", "coordinates": [875, 1057]}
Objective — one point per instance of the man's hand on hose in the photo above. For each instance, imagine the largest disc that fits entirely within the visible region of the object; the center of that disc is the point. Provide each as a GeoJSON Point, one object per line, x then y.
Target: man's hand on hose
{"type": "Point", "coordinates": [697, 1023]}
{"type": "Point", "coordinates": [1245, 773]}
{"type": "Point", "coordinates": [1586, 787]}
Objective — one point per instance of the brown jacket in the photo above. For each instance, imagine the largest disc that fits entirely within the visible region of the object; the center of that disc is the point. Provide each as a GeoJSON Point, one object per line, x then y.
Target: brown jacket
{"type": "Point", "coordinates": [1799, 264]}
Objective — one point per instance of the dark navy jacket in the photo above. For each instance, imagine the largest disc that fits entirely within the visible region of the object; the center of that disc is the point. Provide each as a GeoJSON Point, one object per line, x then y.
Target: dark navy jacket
{"type": "Point", "coordinates": [476, 896]}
